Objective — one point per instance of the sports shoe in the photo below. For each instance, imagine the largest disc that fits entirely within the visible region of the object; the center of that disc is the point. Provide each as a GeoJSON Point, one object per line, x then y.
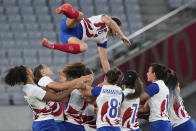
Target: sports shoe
{"type": "Point", "coordinates": [46, 43]}
{"type": "Point", "coordinates": [63, 8]}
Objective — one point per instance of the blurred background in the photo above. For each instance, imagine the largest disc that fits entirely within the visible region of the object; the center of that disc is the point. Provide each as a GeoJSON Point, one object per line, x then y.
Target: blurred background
{"type": "Point", "coordinates": [161, 31]}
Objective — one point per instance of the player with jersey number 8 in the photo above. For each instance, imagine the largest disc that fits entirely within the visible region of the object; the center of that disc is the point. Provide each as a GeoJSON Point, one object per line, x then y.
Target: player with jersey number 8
{"type": "Point", "coordinates": [108, 99]}
{"type": "Point", "coordinates": [75, 31]}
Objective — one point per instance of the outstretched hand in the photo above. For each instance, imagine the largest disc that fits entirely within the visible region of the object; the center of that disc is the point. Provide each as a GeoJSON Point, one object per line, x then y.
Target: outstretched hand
{"type": "Point", "coordinates": [125, 40]}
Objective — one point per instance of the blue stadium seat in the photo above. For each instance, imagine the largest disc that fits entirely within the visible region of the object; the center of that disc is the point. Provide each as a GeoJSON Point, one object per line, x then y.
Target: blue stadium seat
{"type": "Point", "coordinates": [26, 9]}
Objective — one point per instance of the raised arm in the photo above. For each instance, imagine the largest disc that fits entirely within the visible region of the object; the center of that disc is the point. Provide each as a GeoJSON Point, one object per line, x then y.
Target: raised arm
{"type": "Point", "coordinates": [57, 97]}
{"type": "Point", "coordinates": [116, 29]}
{"type": "Point", "coordinates": [68, 84]}
{"type": "Point", "coordinates": [104, 59]}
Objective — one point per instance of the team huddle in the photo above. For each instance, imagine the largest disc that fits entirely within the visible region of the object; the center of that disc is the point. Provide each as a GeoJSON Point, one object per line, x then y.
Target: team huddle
{"type": "Point", "coordinates": [115, 104]}
{"type": "Point", "coordinates": [75, 105]}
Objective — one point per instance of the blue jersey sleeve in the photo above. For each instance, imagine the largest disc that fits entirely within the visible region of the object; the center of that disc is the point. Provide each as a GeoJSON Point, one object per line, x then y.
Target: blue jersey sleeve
{"type": "Point", "coordinates": [103, 45]}
{"type": "Point", "coordinates": [152, 89]}
{"type": "Point", "coordinates": [96, 91]}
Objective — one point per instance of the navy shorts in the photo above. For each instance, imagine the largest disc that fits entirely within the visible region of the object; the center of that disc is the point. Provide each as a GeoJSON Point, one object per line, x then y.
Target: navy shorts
{"type": "Point", "coordinates": [66, 32]}
{"type": "Point", "coordinates": [109, 128]}
{"type": "Point", "coordinates": [160, 126]}
{"type": "Point", "coordinates": [189, 125]}
{"type": "Point", "coordinates": [46, 125]}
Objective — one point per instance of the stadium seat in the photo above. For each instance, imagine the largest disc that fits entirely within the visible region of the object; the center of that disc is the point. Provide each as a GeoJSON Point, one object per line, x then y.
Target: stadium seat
{"type": "Point", "coordinates": [74, 58]}
{"type": "Point", "coordinates": [4, 99]}
{"type": "Point", "coordinates": [26, 9]}
{"type": "Point", "coordinates": [3, 53]}
{"type": "Point", "coordinates": [14, 18]}
{"type": "Point", "coordinates": [41, 9]}
{"type": "Point", "coordinates": [30, 53]}
{"type": "Point", "coordinates": [30, 61]}
{"type": "Point", "coordinates": [45, 60]}
{"type": "Point", "coordinates": [44, 52]}
{"type": "Point", "coordinates": [29, 18]}
{"type": "Point", "coordinates": [18, 99]}
{"type": "Point", "coordinates": [21, 43]}
{"type": "Point", "coordinates": [44, 18]}
{"type": "Point", "coordinates": [39, 2]}
{"type": "Point", "coordinates": [14, 53]}
{"type": "Point", "coordinates": [17, 27]}
{"type": "Point", "coordinates": [24, 3]}
{"type": "Point", "coordinates": [35, 35]}
{"type": "Point", "coordinates": [19, 35]}
{"type": "Point", "coordinates": [4, 27]}
{"type": "Point", "coordinates": [6, 35]}
{"type": "Point", "coordinates": [9, 2]}
{"type": "Point", "coordinates": [12, 10]}
{"type": "Point", "coordinates": [7, 43]}
{"type": "Point", "coordinates": [31, 26]}
{"type": "Point", "coordinates": [16, 61]}
{"type": "Point", "coordinates": [60, 61]}
{"type": "Point", "coordinates": [4, 61]}
{"type": "Point", "coordinates": [46, 27]}
{"type": "Point", "coordinates": [1, 10]}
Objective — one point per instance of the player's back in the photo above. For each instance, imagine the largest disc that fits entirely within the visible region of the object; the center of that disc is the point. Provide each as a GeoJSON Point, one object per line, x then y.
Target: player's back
{"type": "Point", "coordinates": [159, 103]}
{"type": "Point", "coordinates": [129, 114]}
{"type": "Point", "coordinates": [74, 108]}
{"type": "Point", "coordinates": [177, 113]}
{"type": "Point", "coordinates": [108, 103]}
{"type": "Point", "coordinates": [34, 96]}
{"type": "Point", "coordinates": [94, 29]}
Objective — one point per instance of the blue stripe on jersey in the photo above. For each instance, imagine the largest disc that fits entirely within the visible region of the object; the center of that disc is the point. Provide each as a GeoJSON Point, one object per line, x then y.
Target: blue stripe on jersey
{"type": "Point", "coordinates": [152, 89]}
{"type": "Point", "coordinates": [103, 45]}
{"type": "Point", "coordinates": [123, 97]}
{"type": "Point", "coordinates": [96, 91]}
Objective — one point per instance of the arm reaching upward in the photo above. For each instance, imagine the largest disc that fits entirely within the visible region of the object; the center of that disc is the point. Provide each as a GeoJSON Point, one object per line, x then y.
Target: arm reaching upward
{"type": "Point", "coordinates": [69, 84]}
{"type": "Point", "coordinates": [104, 59]}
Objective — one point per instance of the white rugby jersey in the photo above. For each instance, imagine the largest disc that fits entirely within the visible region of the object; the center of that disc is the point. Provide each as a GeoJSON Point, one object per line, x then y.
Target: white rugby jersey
{"type": "Point", "coordinates": [129, 113]}
{"type": "Point", "coordinates": [57, 108]}
{"type": "Point", "coordinates": [94, 29]}
{"type": "Point", "coordinates": [75, 106]}
{"type": "Point", "coordinates": [177, 113]}
{"type": "Point", "coordinates": [159, 103]}
{"type": "Point", "coordinates": [89, 118]}
{"type": "Point", "coordinates": [34, 96]}
{"type": "Point", "coordinates": [108, 104]}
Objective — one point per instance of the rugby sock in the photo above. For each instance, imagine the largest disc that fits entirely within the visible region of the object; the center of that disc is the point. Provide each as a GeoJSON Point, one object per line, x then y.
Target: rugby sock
{"type": "Point", "coordinates": [70, 48]}
{"type": "Point", "coordinates": [67, 10]}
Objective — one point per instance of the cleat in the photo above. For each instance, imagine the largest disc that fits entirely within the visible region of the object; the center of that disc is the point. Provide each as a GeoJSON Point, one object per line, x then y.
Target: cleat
{"type": "Point", "coordinates": [46, 43]}
{"type": "Point", "coordinates": [63, 8]}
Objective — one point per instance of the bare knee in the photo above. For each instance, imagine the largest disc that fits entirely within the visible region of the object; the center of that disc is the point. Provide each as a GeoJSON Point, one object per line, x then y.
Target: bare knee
{"type": "Point", "coordinates": [83, 47]}
{"type": "Point", "coordinates": [80, 17]}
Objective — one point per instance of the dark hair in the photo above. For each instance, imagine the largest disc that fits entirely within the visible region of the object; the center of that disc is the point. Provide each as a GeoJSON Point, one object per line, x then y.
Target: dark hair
{"type": "Point", "coordinates": [114, 75]}
{"type": "Point", "coordinates": [16, 76]}
{"type": "Point", "coordinates": [74, 70]}
{"type": "Point", "coordinates": [132, 81]}
{"type": "Point", "coordinates": [37, 73]}
{"type": "Point", "coordinates": [116, 20]}
{"type": "Point", "coordinates": [88, 71]}
{"type": "Point", "coordinates": [159, 70]}
{"type": "Point", "coordinates": [172, 83]}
